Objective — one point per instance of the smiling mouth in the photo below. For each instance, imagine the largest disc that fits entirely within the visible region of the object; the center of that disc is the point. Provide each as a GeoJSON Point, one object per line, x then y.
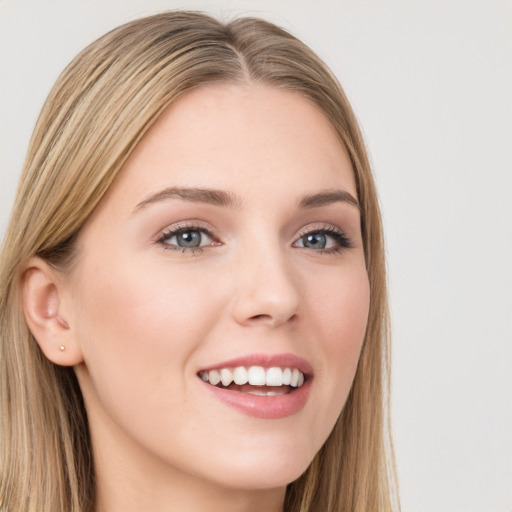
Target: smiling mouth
{"type": "Point", "coordinates": [256, 380]}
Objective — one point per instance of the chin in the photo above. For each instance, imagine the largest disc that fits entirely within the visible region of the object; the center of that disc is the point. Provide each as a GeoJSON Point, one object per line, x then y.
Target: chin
{"type": "Point", "coordinates": [263, 469]}
{"type": "Point", "coordinates": [262, 479]}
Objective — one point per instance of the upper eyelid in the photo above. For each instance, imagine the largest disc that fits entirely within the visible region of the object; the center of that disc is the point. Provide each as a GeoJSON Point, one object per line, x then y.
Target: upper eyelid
{"type": "Point", "coordinates": [184, 229]}
{"type": "Point", "coordinates": [183, 226]}
{"type": "Point", "coordinates": [196, 225]}
{"type": "Point", "coordinates": [320, 227]}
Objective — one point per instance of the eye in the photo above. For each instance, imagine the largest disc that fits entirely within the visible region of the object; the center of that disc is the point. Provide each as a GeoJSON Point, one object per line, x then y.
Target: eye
{"type": "Point", "coordinates": [329, 240]}
{"type": "Point", "coordinates": [187, 238]}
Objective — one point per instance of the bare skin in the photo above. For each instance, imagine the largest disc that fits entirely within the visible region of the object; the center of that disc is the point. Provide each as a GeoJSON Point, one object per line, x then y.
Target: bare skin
{"type": "Point", "coordinates": [278, 269]}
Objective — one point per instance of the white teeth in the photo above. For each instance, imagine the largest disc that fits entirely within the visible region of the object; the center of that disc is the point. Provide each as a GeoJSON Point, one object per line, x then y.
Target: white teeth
{"type": "Point", "coordinates": [258, 392]}
{"type": "Point", "coordinates": [241, 376]}
{"type": "Point", "coordinates": [295, 378]}
{"type": "Point", "coordinates": [257, 376]}
{"type": "Point", "coordinates": [262, 392]}
{"type": "Point", "coordinates": [214, 377]}
{"type": "Point", "coordinates": [274, 377]}
{"type": "Point", "coordinates": [275, 393]}
{"type": "Point", "coordinates": [226, 377]}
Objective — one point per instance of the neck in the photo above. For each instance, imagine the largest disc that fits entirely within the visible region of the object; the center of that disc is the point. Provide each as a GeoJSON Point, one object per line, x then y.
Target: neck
{"type": "Point", "coordinates": [164, 494]}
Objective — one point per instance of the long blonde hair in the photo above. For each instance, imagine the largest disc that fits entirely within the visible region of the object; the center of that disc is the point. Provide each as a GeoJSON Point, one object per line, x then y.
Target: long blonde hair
{"type": "Point", "coordinates": [97, 112]}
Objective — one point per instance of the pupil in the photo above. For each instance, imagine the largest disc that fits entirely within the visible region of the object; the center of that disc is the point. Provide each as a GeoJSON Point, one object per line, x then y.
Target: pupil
{"type": "Point", "coordinates": [189, 239]}
{"type": "Point", "coordinates": [315, 241]}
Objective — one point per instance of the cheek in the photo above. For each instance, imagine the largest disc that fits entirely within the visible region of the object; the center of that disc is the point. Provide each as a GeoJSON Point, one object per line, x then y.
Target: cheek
{"type": "Point", "coordinates": [341, 319]}
{"type": "Point", "coordinates": [340, 302]}
{"type": "Point", "coordinates": [139, 329]}
{"type": "Point", "coordinates": [346, 314]}
{"type": "Point", "coordinates": [150, 307]}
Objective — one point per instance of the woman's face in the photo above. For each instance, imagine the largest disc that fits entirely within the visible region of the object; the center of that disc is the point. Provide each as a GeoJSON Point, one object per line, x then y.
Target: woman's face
{"type": "Point", "coordinates": [230, 240]}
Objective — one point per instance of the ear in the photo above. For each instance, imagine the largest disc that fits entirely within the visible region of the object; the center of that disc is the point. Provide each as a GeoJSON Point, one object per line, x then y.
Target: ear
{"type": "Point", "coordinates": [44, 304]}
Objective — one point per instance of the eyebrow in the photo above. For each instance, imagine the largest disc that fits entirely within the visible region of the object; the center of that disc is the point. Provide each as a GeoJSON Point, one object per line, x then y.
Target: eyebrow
{"type": "Point", "coordinates": [195, 195]}
{"type": "Point", "coordinates": [229, 200]}
{"type": "Point", "coordinates": [328, 197]}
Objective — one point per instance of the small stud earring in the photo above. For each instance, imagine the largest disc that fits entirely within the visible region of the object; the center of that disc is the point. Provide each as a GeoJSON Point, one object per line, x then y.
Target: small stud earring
{"type": "Point", "coordinates": [62, 348]}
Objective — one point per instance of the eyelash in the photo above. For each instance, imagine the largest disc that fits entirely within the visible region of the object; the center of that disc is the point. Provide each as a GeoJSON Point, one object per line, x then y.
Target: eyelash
{"type": "Point", "coordinates": [177, 230]}
{"type": "Point", "coordinates": [340, 238]}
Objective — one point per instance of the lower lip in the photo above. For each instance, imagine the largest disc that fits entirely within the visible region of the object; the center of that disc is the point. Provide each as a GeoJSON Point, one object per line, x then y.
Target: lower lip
{"type": "Point", "coordinates": [266, 407]}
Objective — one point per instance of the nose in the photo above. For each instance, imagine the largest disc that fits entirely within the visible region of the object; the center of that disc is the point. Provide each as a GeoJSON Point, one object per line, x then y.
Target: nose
{"type": "Point", "coordinates": [266, 290]}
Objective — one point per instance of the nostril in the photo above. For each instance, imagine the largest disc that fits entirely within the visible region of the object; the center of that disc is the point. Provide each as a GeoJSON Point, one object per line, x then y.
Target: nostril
{"type": "Point", "coordinates": [259, 317]}
{"type": "Point", "coordinates": [271, 319]}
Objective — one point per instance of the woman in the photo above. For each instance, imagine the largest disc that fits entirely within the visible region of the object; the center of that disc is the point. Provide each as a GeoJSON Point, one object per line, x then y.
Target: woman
{"type": "Point", "coordinates": [193, 293]}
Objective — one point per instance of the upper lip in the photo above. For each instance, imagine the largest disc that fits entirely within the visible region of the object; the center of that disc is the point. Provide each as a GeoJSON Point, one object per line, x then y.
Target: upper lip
{"type": "Point", "coordinates": [267, 361]}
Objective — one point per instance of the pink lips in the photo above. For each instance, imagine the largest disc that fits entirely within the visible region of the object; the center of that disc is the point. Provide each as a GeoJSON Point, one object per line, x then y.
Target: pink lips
{"type": "Point", "coordinates": [265, 407]}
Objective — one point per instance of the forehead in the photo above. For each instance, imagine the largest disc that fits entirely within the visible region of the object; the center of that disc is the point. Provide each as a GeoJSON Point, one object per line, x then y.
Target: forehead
{"type": "Point", "coordinates": [236, 137]}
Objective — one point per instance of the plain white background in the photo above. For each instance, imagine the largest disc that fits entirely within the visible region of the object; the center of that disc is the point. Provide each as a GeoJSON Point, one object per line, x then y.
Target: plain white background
{"type": "Point", "coordinates": [431, 84]}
